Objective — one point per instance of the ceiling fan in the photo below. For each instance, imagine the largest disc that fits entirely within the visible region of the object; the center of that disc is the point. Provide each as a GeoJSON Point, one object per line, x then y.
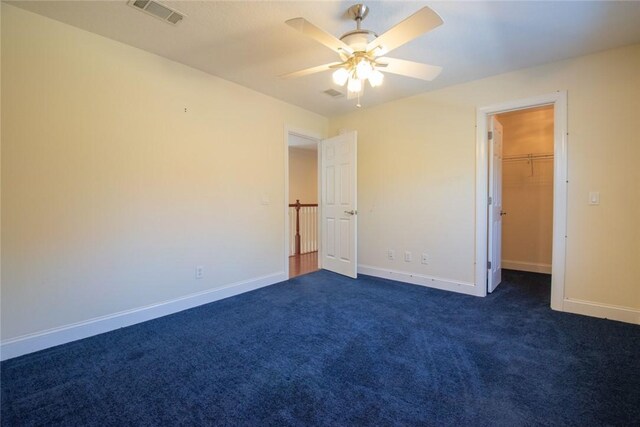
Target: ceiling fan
{"type": "Point", "coordinates": [362, 51]}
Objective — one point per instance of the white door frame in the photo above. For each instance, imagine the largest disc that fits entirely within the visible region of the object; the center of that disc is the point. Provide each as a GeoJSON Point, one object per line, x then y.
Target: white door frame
{"type": "Point", "coordinates": [290, 130]}
{"type": "Point", "coordinates": [559, 101]}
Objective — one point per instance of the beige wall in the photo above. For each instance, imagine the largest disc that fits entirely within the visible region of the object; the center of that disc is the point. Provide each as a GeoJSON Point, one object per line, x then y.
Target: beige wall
{"type": "Point", "coordinates": [303, 175]}
{"type": "Point", "coordinates": [527, 190]}
{"type": "Point", "coordinates": [416, 166]}
{"type": "Point", "coordinates": [113, 193]}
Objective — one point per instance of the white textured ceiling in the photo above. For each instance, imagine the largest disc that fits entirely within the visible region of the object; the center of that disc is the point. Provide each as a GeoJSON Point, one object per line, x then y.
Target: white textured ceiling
{"type": "Point", "coordinates": [248, 42]}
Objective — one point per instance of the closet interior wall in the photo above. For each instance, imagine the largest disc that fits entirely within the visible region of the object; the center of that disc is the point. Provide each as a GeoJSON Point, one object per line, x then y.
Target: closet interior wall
{"type": "Point", "coordinates": [527, 189]}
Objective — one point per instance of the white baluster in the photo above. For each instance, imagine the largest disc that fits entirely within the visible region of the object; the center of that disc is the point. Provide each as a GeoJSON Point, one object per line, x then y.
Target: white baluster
{"type": "Point", "coordinates": [305, 237]}
{"type": "Point", "coordinates": [292, 231]}
{"type": "Point", "coordinates": [315, 228]}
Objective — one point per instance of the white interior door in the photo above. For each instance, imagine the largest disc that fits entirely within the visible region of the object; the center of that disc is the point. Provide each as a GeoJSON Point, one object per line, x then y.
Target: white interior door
{"type": "Point", "coordinates": [494, 276]}
{"type": "Point", "coordinates": [339, 204]}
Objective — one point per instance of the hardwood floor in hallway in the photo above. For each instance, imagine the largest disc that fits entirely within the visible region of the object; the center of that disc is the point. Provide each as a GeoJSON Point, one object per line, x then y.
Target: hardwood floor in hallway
{"type": "Point", "coordinates": [303, 264]}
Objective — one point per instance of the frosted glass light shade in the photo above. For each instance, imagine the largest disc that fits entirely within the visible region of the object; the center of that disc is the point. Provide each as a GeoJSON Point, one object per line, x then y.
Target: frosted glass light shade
{"type": "Point", "coordinates": [354, 85]}
{"type": "Point", "coordinates": [363, 69]}
{"type": "Point", "coordinates": [376, 78]}
{"type": "Point", "coordinates": [340, 76]}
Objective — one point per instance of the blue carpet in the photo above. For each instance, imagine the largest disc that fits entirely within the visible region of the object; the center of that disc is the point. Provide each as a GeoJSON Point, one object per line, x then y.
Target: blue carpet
{"type": "Point", "coordinates": [322, 349]}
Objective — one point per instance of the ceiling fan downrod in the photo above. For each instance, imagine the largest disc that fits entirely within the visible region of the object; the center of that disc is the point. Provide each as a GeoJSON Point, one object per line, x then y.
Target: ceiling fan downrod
{"type": "Point", "coordinates": [358, 12]}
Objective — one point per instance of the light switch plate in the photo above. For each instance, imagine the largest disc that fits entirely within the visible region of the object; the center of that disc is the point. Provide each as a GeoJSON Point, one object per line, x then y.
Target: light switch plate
{"type": "Point", "coordinates": [594, 197]}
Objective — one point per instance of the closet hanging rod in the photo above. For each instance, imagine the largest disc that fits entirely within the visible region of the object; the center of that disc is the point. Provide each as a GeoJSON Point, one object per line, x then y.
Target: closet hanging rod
{"type": "Point", "coordinates": [529, 157]}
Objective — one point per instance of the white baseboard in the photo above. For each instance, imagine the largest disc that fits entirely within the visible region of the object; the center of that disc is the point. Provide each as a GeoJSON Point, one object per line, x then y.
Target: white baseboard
{"type": "Point", "coordinates": [25, 344]}
{"type": "Point", "coordinates": [419, 279]}
{"type": "Point", "coordinates": [605, 311]}
{"type": "Point", "coordinates": [526, 266]}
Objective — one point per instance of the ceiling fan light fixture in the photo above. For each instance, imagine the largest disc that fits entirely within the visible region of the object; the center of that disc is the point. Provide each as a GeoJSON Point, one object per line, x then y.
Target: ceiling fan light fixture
{"type": "Point", "coordinates": [376, 78]}
{"type": "Point", "coordinates": [360, 50]}
{"type": "Point", "coordinates": [340, 76]}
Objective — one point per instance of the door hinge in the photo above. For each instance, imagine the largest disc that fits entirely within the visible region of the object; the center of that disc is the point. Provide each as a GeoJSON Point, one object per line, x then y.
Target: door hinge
{"type": "Point", "coordinates": [490, 200]}
{"type": "Point", "coordinates": [490, 134]}
{"type": "Point", "coordinates": [488, 265]}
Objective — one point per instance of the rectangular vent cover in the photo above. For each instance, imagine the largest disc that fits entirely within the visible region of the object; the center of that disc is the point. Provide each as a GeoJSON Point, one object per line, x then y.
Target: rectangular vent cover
{"type": "Point", "coordinates": [333, 93]}
{"type": "Point", "coordinates": [158, 10]}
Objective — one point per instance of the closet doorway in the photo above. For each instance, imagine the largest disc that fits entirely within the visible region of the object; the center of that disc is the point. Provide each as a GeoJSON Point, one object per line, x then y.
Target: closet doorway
{"type": "Point", "coordinates": [520, 192]}
{"type": "Point", "coordinates": [527, 189]}
{"type": "Point", "coordinates": [533, 241]}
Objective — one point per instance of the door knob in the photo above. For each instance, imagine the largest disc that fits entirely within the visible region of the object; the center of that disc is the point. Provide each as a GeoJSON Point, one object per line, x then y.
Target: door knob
{"type": "Point", "coordinates": [502, 213]}
{"type": "Point", "coordinates": [351, 212]}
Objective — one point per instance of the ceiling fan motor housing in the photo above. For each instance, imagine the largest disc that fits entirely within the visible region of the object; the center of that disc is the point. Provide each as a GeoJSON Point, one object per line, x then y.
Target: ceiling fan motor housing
{"type": "Point", "coordinates": [358, 39]}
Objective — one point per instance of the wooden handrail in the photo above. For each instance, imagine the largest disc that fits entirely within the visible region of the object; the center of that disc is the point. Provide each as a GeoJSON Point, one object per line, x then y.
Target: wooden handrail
{"type": "Point", "coordinates": [299, 205]}
{"type": "Point", "coordinates": [303, 205]}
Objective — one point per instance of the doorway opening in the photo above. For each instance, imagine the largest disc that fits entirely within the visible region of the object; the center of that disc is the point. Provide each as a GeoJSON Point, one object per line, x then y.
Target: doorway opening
{"type": "Point", "coordinates": [303, 191]}
{"type": "Point", "coordinates": [333, 241]}
{"type": "Point", "coordinates": [527, 189]}
{"type": "Point", "coordinates": [522, 192]}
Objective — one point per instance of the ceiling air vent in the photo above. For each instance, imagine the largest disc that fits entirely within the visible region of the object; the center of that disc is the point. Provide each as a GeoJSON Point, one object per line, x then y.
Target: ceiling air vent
{"type": "Point", "coordinates": [158, 10]}
{"type": "Point", "coordinates": [333, 93]}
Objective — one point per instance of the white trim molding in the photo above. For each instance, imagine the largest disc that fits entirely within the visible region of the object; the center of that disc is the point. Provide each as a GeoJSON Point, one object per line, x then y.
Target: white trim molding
{"type": "Point", "coordinates": [25, 344]}
{"type": "Point", "coordinates": [604, 311]}
{"type": "Point", "coordinates": [419, 279]}
{"type": "Point", "coordinates": [559, 101]}
{"type": "Point", "coordinates": [533, 267]}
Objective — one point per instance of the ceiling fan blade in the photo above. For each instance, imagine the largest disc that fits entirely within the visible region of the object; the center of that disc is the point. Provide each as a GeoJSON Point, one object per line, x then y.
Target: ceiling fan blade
{"type": "Point", "coordinates": [419, 23]}
{"type": "Point", "coordinates": [416, 70]}
{"type": "Point", "coordinates": [312, 70]}
{"type": "Point", "coordinates": [319, 35]}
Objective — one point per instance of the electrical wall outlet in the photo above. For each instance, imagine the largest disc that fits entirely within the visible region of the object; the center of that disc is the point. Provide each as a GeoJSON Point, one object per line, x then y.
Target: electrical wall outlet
{"type": "Point", "coordinates": [425, 258]}
{"type": "Point", "coordinates": [199, 272]}
{"type": "Point", "coordinates": [407, 256]}
{"type": "Point", "coordinates": [391, 254]}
